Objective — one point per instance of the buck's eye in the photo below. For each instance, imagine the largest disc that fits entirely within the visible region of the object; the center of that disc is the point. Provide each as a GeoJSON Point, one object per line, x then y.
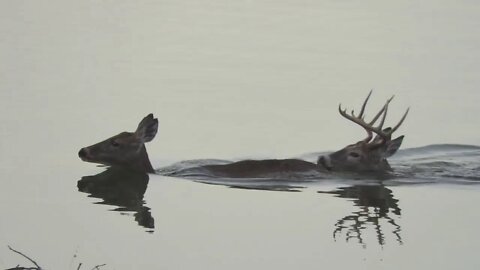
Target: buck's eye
{"type": "Point", "coordinates": [354, 154]}
{"type": "Point", "coordinates": [115, 143]}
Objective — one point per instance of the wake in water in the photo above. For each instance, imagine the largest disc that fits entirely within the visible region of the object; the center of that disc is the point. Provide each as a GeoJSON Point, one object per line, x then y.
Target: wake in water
{"type": "Point", "coordinates": [443, 163]}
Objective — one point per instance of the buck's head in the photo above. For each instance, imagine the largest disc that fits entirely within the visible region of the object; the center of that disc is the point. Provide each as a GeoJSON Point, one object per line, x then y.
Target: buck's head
{"type": "Point", "coordinates": [126, 150]}
{"type": "Point", "coordinates": [370, 154]}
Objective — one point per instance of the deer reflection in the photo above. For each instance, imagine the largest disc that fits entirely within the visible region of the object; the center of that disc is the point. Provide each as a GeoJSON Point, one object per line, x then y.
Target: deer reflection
{"type": "Point", "coordinates": [376, 205]}
{"type": "Point", "coordinates": [122, 188]}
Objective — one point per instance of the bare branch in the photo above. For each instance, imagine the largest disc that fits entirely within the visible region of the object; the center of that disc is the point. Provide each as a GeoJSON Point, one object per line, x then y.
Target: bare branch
{"type": "Point", "coordinates": [97, 267]}
{"type": "Point", "coordinates": [37, 267]}
{"type": "Point", "coordinates": [26, 257]}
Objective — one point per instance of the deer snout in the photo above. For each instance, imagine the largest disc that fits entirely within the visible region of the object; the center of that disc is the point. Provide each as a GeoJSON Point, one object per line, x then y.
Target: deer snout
{"type": "Point", "coordinates": [325, 162]}
{"type": "Point", "coordinates": [83, 154]}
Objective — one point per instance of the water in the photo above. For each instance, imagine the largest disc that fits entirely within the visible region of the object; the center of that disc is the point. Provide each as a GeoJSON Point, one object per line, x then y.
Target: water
{"type": "Point", "coordinates": [230, 81]}
{"type": "Point", "coordinates": [131, 221]}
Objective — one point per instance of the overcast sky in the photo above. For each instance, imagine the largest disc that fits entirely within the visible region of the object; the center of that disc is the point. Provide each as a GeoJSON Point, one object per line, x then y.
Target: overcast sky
{"type": "Point", "coordinates": [232, 79]}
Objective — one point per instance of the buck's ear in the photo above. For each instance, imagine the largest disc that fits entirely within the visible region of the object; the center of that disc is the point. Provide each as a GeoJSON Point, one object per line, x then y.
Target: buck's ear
{"type": "Point", "coordinates": [393, 146]}
{"type": "Point", "coordinates": [386, 131]}
{"type": "Point", "coordinates": [147, 128]}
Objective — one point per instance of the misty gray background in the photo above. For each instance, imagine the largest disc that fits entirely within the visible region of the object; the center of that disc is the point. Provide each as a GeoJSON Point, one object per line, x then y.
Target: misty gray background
{"type": "Point", "coordinates": [237, 78]}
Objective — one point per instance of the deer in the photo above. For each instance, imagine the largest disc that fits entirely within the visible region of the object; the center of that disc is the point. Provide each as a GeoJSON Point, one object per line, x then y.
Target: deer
{"type": "Point", "coordinates": [369, 154]}
{"type": "Point", "coordinates": [127, 150]}
{"type": "Point", "coordinates": [366, 156]}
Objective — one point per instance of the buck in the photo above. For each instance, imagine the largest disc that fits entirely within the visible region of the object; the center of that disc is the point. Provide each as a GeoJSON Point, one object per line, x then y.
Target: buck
{"type": "Point", "coordinates": [127, 150]}
{"type": "Point", "coordinates": [367, 155]}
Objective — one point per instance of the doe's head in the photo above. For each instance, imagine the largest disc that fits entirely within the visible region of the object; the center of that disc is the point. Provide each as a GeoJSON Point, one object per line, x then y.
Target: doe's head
{"type": "Point", "coordinates": [126, 150]}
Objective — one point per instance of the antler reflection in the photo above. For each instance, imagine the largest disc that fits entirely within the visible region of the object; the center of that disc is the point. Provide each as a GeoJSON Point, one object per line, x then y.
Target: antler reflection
{"type": "Point", "coordinates": [375, 205]}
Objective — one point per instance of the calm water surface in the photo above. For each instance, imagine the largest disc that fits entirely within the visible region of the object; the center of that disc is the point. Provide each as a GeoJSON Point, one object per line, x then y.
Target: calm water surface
{"type": "Point", "coordinates": [250, 79]}
{"type": "Point", "coordinates": [132, 221]}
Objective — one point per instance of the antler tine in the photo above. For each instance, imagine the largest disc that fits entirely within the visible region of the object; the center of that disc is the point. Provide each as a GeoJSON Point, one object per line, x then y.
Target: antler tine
{"type": "Point", "coordinates": [369, 127]}
{"type": "Point", "coordinates": [384, 116]}
{"type": "Point", "coordinates": [358, 121]}
{"type": "Point", "coordinates": [386, 134]}
{"type": "Point", "coordinates": [360, 115]}
{"type": "Point", "coordinates": [401, 121]}
{"type": "Point", "coordinates": [381, 111]}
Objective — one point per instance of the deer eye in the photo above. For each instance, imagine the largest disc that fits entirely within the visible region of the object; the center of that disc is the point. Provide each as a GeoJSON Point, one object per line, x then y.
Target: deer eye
{"type": "Point", "coordinates": [354, 154]}
{"type": "Point", "coordinates": [114, 143]}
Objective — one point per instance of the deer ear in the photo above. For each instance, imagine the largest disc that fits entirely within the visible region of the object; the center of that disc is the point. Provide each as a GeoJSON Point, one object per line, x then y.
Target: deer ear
{"type": "Point", "coordinates": [147, 128]}
{"type": "Point", "coordinates": [386, 131]}
{"type": "Point", "coordinates": [393, 146]}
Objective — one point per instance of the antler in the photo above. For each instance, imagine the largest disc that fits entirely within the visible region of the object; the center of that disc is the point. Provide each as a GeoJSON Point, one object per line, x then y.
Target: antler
{"type": "Point", "coordinates": [385, 134]}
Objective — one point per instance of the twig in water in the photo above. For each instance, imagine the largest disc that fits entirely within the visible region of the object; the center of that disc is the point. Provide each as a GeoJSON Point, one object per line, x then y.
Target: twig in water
{"type": "Point", "coordinates": [37, 267]}
{"type": "Point", "coordinates": [18, 267]}
{"type": "Point", "coordinates": [97, 267]}
{"type": "Point", "coordinates": [26, 257]}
